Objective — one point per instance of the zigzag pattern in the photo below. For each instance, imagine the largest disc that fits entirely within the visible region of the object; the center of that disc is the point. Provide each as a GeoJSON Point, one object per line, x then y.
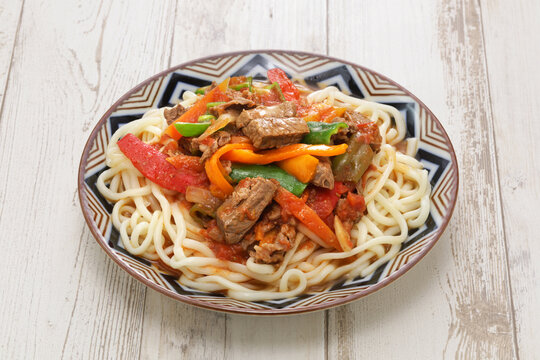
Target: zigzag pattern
{"type": "Point", "coordinates": [145, 98]}
{"type": "Point", "coordinates": [96, 157]}
{"type": "Point", "coordinates": [165, 91]}
{"type": "Point", "coordinates": [101, 217]}
{"type": "Point", "coordinates": [148, 272]}
{"type": "Point", "coordinates": [376, 86]}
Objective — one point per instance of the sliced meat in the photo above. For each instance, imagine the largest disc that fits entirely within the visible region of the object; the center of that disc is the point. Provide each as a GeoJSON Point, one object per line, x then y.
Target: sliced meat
{"type": "Point", "coordinates": [266, 133]}
{"type": "Point", "coordinates": [173, 113]}
{"type": "Point", "coordinates": [283, 110]}
{"type": "Point", "coordinates": [324, 177]}
{"type": "Point", "coordinates": [358, 123]}
{"type": "Point", "coordinates": [244, 206]}
{"type": "Point", "coordinates": [273, 250]}
{"type": "Point", "coordinates": [212, 143]}
{"type": "Point", "coordinates": [235, 105]}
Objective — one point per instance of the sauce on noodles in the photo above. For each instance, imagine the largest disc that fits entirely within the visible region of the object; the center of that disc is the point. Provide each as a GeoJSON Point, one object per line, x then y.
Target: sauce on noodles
{"type": "Point", "coordinates": [265, 189]}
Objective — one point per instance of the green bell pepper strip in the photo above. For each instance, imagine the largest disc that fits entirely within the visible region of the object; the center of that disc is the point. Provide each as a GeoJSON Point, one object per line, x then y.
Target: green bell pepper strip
{"type": "Point", "coordinates": [239, 86]}
{"type": "Point", "coordinates": [351, 165]}
{"type": "Point", "coordinates": [206, 118]}
{"type": "Point", "coordinates": [191, 129]}
{"type": "Point", "coordinates": [212, 104]}
{"type": "Point", "coordinates": [201, 90]}
{"type": "Point", "coordinates": [321, 132]}
{"type": "Point", "coordinates": [286, 180]}
{"type": "Point", "coordinates": [250, 83]}
{"type": "Point", "coordinates": [276, 86]}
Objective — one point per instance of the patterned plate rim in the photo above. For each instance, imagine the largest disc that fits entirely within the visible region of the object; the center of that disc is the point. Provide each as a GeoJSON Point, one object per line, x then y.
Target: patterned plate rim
{"type": "Point", "coordinates": [219, 307]}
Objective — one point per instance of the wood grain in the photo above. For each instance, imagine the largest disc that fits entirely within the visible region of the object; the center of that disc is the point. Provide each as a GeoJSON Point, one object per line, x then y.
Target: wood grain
{"type": "Point", "coordinates": [512, 51]}
{"type": "Point", "coordinates": [473, 62]}
{"type": "Point", "coordinates": [206, 28]}
{"type": "Point", "coordinates": [456, 301]}
{"type": "Point", "coordinates": [66, 298]}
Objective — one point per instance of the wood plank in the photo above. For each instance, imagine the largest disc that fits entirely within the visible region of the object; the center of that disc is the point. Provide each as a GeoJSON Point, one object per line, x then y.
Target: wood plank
{"type": "Point", "coordinates": [512, 51]}
{"type": "Point", "coordinates": [62, 296]}
{"type": "Point", "coordinates": [455, 302]}
{"type": "Point", "coordinates": [10, 15]}
{"type": "Point", "coordinates": [202, 29]}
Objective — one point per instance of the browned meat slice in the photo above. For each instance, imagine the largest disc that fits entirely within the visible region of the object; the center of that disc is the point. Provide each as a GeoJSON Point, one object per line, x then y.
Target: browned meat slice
{"type": "Point", "coordinates": [235, 105]}
{"type": "Point", "coordinates": [173, 113]}
{"type": "Point", "coordinates": [324, 177]}
{"type": "Point", "coordinates": [272, 252]}
{"type": "Point", "coordinates": [283, 110]}
{"type": "Point", "coordinates": [266, 133]}
{"type": "Point", "coordinates": [243, 207]}
{"type": "Point", "coordinates": [358, 123]}
{"type": "Point", "coordinates": [212, 143]}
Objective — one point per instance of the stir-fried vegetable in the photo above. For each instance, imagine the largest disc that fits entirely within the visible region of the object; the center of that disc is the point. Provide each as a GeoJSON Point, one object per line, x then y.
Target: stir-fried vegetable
{"type": "Point", "coordinates": [322, 112]}
{"type": "Point", "coordinates": [276, 86]}
{"type": "Point", "coordinates": [351, 165]}
{"type": "Point", "coordinates": [224, 120]}
{"type": "Point", "coordinates": [220, 187]}
{"type": "Point", "coordinates": [154, 166]}
{"type": "Point", "coordinates": [302, 167]}
{"type": "Point", "coordinates": [199, 108]}
{"type": "Point", "coordinates": [286, 180]}
{"type": "Point", "coordinates": [202, 214]}
{"type": "Point", "coordinates": [286, 86]}
{"type": "Point", "coordinates": [215, 103]}
{"type": "Point", "coordinates": [306, 216]}
{"type": "Point", "coordinates": [248, 156]}
{"type": "Point", "coordinates": [191, 129]}
{"type": "Point", "coordinates": [321, 133]}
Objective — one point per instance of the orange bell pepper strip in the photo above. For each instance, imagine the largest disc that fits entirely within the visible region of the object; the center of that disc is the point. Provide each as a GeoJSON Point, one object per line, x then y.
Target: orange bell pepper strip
{"type": "Point", "coordinates": [306, 216]}
{"type": "Point", "coordinates": [220, 186]}
{"type": "Point", "coordinates": [246, 156]}
{"type": "Point", "coordinates": [198, 109]}
{"type": "Point", "coordinates": [301, 167]}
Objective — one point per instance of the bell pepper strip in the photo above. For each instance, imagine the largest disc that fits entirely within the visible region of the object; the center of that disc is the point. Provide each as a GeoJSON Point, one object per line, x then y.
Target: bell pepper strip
{"type": "Point", "coordinates": [153, 165]}
{"type": "Point", "coordinates": [215, 103]}
{"type": "Point", "coordinates": [287, 88]}
{"type": "Point", "coordinates": [201, 90]}
{"type": "Point", "coordinates": [186, 162]}
{"type": "Point", "coordinates": [301, 167]}
{"type": "Point", "coordinates": [191, 129]}
{"type": "Point", "coordinates": [306, 216]}
{"type": "Point", "coordinates": [321, 132]}
{"type": "Point", "coordinates": [221, 187]}
{"type": "Point", "coordinates": [247, 156]}
{"type": "Point", "coordinates": [206, 118]}
{"type": "Point", "coordinates": [322, 112]}
{"type": "Point", "coordinates": [286, 180]}
{"type": "Point", "coordinates": [323, 201]}
{"type": "Point", "coordinates": [199, 108]}
{"type": "Point", "coordinates": [351, 165]}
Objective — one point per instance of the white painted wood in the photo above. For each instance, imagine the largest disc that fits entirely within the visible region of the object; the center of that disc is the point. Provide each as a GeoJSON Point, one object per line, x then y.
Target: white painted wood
{"type": "Point", "coordinates": [10, 15]}
{"type": "Point", "coordinates": [473, 65]}
{"type": "Point", "coordinates": [512, 51]}
{"type": "Point", "coordinates": [202, 29]}
{"type": "Point", "coordinates": [61, 296]}
{"type": "Point", "coordinates": [456, 302]}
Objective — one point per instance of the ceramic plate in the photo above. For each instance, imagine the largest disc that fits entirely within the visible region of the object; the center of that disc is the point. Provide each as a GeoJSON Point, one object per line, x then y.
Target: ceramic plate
{"type": "Point", "coordinates": [166, 88]}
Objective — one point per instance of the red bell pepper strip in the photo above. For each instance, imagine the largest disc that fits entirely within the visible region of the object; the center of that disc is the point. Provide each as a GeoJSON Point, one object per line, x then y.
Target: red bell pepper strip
{"type": "Point", "coordinates": [290, 92]}
{"type": "Point", "coordinates": [306, 216]}
{"type": "Point", "coordinates": [154, 166]}
{"type": "Point", "coordinates": [198, 109]}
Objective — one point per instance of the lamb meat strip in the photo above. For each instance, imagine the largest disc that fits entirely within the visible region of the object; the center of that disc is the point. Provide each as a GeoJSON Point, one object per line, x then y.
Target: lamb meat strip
{"type": "Point", "coordinates": [173, 113]}
{"type": "Point", "coordinates": [324, 177]}
{"type": "Point", "coordinates": [283, 110]}
{"type": "Point", "coordinates": [273, 252]}
{"type": "Point", "coordinates": [218, 139]}
{"type": "Point", "coordinates": [243, 207]}
{"type": "Point", "coordinates": [266, 133]}
{"type": "Point", "coordinates": [235, 106]}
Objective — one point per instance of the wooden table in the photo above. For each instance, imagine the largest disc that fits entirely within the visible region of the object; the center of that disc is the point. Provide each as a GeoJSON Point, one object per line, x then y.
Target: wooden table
{"type": "Point", "coordinates": [474, 63]}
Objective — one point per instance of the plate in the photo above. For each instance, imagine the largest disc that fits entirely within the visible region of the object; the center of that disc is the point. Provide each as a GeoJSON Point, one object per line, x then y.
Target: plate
{"type": "Point", "coordinates": [166, 88]}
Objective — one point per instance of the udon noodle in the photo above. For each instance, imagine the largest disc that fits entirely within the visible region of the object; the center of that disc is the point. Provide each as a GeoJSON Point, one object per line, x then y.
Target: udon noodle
{"type": "Point", "coordinates": [155, 225]}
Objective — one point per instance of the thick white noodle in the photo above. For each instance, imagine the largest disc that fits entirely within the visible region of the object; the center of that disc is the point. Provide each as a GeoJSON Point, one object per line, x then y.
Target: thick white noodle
{"type": "Point", "coordinates": [396, 191]}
